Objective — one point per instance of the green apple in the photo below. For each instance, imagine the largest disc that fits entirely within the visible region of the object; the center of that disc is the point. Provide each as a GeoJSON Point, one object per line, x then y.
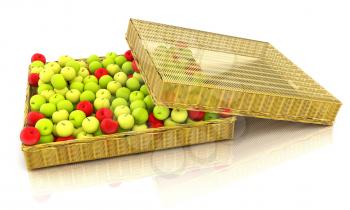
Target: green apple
{"type": "Point", "coordinates": [94, 65]}
{"type": "Point", "coordinates": [138, 77]}
{"type": "Point", "coordinates": [144, 90]}
{"type": "Point", "coordinates": [103, 93]}
{"type": "Point", "coordinates": [141, 127]}
{"type": "Point", "coordinates": [62, 91]}
{"type": "Point", "coordinates": [92, 58]}
{"type": "Point", "coordinates": [90, 78]}
{"type": "Point", "coordinates": [46, 139]}
{"type": "Point", "coordinates": [63, 60]}
{"type": "Point", "coordinates": [94, 87]}
{"type": "Point", "coordinates": [133, 84]}
{"type": "Point", "coordinates": [58, 81]}
{"type": "Point", "coordinates": [54, 99]}
{"type": "Point", "coordinates": [100, 103]}
{"type": "Point", "coordinates": [87, 95]}
{"type": "Point", "coordinates": [210, 116]}
{"type": "Point", "coordinates": [127, 67]}
{"type": "Point", "coordinates": [90, 124]}
{"type": "Point", "coordinates": [54, 130]}
{"type": "Point", "coordinates": [126, 121]}
{"type": "Point", "coordinates": [64, 128]}
{"type": "Point", "coordinates": [121, 109]}
{"type": "Point", "coordinates": [84, 72]}
{"type": "Point", "coordinates": [46, 74]}
{"type": "Point", "coordinates": [77, 79]}
{"type": "Point", "coordinates": [98, 132]}
{"type": "Point", "coordinates": [36, 102]}
{"type": "Point", "coordinates": [121, 77]}
{"type": "Point", "coordinates": [104, 80]}
{"type": "Point", "coordinates": [179, 115]}
{"type": "Point", "coordinates": [60, 115]}
{"type": "Point", "coordinates": [56, 68]}
{"type": "Point", "coordinates": [170, 123]}
{"type": "Point", "coordinates": [40, 82]}
{"type": "Point", "coordinates": [120, 60]}
{"type": "Point", "coordinates": [47, 94]}
{"type": "Point", "coordinates": [73, 95]}
{"type": "Point", "coordinates": [107, 61]}
{"type": "Point", "coordinates": [112, 55]}
{"type": "Point", "coordinates": [149, 102]}
{"type": "Point", "coordinates": [48, 109]}
{"type": "Point", "coordinates": [117, 102]}
{"type": "Point", "coordinates": [45, 126]}
{"type": "Point", "coordinates": [65, 104]}
{"type": "Point", "coordinates": [83, 135]}
{"type": "Point", "coordinates": [83, 64]}
{"type": "Point", "coordinates": [77, 131]}
{"type": "Point", "coordinates": [36, 69]}
{"type": "Point", "coordinates": [37, 64]}
{"type": "Point", "coordinates": [77, 117]}
{"type": "Point", "coordinates": [136, 95]}
{"type": "Point", "coordinates": [140, 115]}
{"type": "Point", "coordinates": [113, 86]}
{"type": "Point", "coordinates": [44, 87]}
{"type": "Point", "coordinates": [137, 104]}
{"type": "Point", "coordinates": [77, 86]}
{"type": "Point", "coordinates": [68, 73]}
{"type": "Point", "coordinates": [123, 92]}
{"type": "Point", "coordinates": [73, 64]}
{"type": "Point", "coordinates": [113, 69]}
{"type": "Point", "coordinates": [161, 112]}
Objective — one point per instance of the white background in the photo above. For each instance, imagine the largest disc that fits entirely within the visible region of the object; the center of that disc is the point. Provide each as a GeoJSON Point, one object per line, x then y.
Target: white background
{"type": "Point", "coordinates": [271, 165]}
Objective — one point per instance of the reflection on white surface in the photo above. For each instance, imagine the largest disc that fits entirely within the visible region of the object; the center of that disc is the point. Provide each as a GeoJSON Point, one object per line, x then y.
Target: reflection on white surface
{"type": "Point", "coordinates": [184, 172]}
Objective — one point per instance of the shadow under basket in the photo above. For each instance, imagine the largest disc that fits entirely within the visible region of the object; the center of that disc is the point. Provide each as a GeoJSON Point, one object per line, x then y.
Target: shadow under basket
{"type": "Point", "coordinates": [131, 142]}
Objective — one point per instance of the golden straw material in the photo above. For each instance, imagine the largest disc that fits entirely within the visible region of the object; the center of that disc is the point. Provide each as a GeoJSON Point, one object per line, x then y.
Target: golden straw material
{"type": "Point", "coordinates": [186, 68]}
{"type": "Point", "coordinates": [106, 146]}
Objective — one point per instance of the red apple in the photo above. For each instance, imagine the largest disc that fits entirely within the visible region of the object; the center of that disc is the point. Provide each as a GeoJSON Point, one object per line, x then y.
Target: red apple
{"type": "Point", "coordinates": [64, 138]}
{"type": "Point", "coordinates": [128, 55]}
{"type": "Point", "coordinates": [226, 113]}
{"type": "Point", "coordinates": [30, 136]}
{"type": "Point", "coordinates": [156, 124]}
{"type": "Point", "coordinates": [130, 76]}
{"type": "Point", "coordinates": [109, 126]}
{"type": "Point", "coordinates": [196, 115]}
{"type": "Point", "coordinates": [38, 57]}
{"type": "Point", "coordinates": [104, 113]}
{"type": "Point", "coordinates": [134, 66]}
{"type": "Point", "coordinates": [33, 117]}
{"type": "Point", "coordinates": [100, 72]}
{"type": "Point", "coordinates": [153, 119]}
{"type": "Point", "coordinates": [33, 79]}
{"type": "Point", "coordinates": [86, 107]}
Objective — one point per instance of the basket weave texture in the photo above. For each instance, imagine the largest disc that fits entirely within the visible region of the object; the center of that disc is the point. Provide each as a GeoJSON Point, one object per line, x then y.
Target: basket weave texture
{"type": "Point", "coordinates": [186, 68]}
{"type": "Point", "coordinates": [106, 146]}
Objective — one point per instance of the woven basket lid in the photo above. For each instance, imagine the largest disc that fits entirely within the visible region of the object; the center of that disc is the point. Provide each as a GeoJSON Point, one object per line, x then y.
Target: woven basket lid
{"type": "Point", "coordinates": [192, 69]}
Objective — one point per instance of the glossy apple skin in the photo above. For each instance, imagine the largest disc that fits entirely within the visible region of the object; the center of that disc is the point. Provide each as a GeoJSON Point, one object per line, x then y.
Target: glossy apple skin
{"type": "Point", "coordinates": [30, 136]}
{"type": "Point", "coordinates": [64, 138]}
{"type": "Point", "coordinates": [128, 55]}
{"type": "Point", "coordinates": [104, 113]}
{"type": "Point", "coordinates": [38, 57]}
{"type": "Point", "coordinates": [33, 79]}
{"type": "Point", "coordinates": [196, 115]}
{"type": "Point", "coordinates": [100, 72]}
{"type": "Point", "coordinates": [156, 124]}
{"type": "Point", "coordinates": [134, 66]}
{"type": "Point", "coordinates": [33, 117]}
{"type": "Point", "coordinates": [86, 107]}
{"type": "Point", "coordinates": [109, 126]}
{"type": "Point", "coordinates": [153, 119]}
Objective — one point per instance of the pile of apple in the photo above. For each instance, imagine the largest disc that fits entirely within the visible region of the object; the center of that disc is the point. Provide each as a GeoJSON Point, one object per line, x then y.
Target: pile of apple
{"type": "Point", "coordinates": [97, 96]}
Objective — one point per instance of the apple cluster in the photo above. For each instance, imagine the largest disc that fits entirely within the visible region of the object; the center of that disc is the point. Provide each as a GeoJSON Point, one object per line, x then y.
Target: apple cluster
{"type": "Point", "coordinates": [96, 96]}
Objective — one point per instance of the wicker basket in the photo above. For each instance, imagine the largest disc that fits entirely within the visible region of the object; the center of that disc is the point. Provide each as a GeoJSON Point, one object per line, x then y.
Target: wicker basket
{"type": "Point", "coordinates": [131, 142]}
{"type": "Point", "coordinates": [187, 68]}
